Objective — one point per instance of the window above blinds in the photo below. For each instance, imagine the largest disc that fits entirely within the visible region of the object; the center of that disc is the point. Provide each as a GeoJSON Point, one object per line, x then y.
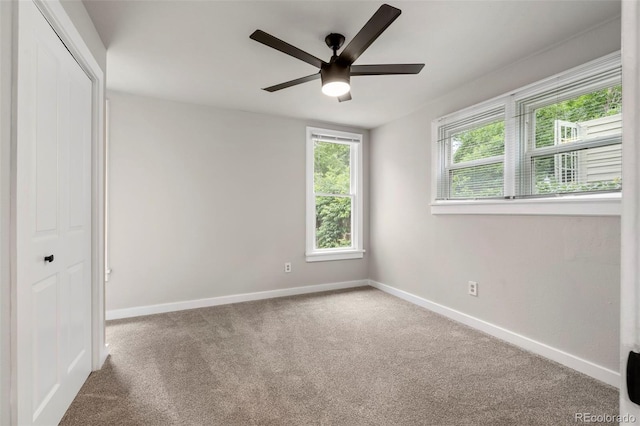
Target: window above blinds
{"type": "Point", "coordinates": [555, 138]}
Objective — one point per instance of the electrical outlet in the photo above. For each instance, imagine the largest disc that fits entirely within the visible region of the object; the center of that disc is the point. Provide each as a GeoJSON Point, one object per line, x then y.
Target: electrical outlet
{"type": "Point", "coordinates": [473, 288]}
{"type": "Point", "coordinates": [287, 267]}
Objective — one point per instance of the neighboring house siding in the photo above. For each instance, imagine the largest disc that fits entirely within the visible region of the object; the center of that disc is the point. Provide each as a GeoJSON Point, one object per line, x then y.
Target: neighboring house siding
{"type": "Point", "coordinates": [604, 163]}
{"type": "Point", "coordinates": [605, 126]}
{"type": "Point", "coordinates": [597, 164]}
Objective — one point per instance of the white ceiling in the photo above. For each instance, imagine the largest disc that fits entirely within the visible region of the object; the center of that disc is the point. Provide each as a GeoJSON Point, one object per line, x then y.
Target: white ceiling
{"type": "Point", "coordinates": [200, 51]}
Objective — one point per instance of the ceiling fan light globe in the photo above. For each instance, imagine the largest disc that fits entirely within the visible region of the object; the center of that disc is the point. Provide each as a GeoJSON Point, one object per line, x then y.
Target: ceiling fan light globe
{"type": "Point", "coordinates": [335, 88]}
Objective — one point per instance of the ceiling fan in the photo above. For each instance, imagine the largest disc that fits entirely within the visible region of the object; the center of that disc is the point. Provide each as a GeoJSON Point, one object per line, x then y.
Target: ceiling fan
{"type": "Point", "coordinates": [336, 74]}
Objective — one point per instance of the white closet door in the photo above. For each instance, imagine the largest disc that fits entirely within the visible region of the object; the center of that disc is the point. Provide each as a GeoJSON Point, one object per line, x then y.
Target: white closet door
{"type": "Point", "coordinates": [53, 223]}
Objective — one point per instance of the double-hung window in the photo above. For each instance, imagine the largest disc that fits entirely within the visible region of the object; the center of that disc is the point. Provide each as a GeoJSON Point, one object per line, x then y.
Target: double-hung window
{"type": "Point", "coordinates": [473, 157]}
{"type": "Point", "coordinates": [334, 195]}
{"type": "Point", "coordinates": [553, 147]}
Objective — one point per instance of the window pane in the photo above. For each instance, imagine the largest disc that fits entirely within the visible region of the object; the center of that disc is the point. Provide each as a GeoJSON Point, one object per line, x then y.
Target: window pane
{"type": "Point", "coordinates": [333, 222]}
{"type": "Point", "coordinates": [592, 115]}
{"type": "Point", "coordinates": [480, 142]}
{"type": "Point", "coordinates": [478, 182]}
{"type": "Point", "coordinates": [332, 174]}
{"type": "Point", "coordinates": [587, 170]}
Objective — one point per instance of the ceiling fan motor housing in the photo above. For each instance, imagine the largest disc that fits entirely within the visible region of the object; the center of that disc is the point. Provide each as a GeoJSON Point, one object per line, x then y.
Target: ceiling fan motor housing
{"type": "Point", "coordinates": [335, 71]}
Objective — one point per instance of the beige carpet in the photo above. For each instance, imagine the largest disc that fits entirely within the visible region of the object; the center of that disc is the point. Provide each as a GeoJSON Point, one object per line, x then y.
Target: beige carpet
{"type": "Point", "coordinates": [354, 357]}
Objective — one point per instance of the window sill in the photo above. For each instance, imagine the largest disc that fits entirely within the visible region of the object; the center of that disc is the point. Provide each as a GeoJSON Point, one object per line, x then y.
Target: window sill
{"type": "Point", "coordinates": [578, 205]}
{"type": "Point", "coordinates": [334, 255]}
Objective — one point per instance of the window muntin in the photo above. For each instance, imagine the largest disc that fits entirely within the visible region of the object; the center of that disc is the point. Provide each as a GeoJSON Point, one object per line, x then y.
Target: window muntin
{"type": "Point", "coordinates": [334, 202]}
{"type": "Point", "coordinates": [561, 136]}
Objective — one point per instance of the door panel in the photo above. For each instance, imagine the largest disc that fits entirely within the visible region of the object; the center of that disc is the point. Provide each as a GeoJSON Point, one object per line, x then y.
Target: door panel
{"type": "Point", "coordinates": [76, 314]}
{"type": "Point", "coordinates": [45, 340]}
{"type": "Point", "coordinates": [80, 108]}
{"type": "Point", "coordinates": [46, 149]}
{"type": "Point", "coordinates": [53, 202]}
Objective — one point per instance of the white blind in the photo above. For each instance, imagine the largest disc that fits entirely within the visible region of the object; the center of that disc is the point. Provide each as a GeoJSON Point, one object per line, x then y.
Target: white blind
{"type": "Point", "coordinates": [332, 138]}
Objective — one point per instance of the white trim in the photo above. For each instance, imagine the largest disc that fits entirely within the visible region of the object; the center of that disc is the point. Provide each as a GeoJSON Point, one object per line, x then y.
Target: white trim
{"type": "Point", "coordinates": [475, 163]}
{"type": "Point", "coordinates": [589, 368]}
{"type": "Point", "coordinates": [107, 119]}
{"type": "Point", "coordinates": [354, 140]}
{"type": "Point", "coordinates": [510, 150]}
{"type": "Point", "coordinates": [574, 146]}
{"type": "Point", "coordinates": [225, 300]}
{"type": "Point", "coordinates": [437, 163]}
{"type": "Point", "coordinates": [334, 255]}
{"type": "Point", "coordinates": [569, 205]}
{"type": "Point", "coordinates": [630, 223]}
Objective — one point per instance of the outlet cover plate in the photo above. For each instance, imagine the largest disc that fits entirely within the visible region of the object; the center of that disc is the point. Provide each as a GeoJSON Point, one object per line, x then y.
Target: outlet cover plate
{"type": "Point", "coordinates": [473, 288]}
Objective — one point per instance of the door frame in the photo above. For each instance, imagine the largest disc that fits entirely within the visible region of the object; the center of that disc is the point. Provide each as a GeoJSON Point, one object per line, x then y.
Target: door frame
{"type": "Point", "coordinates": [62, 24]}
{"type": "Point", "coordinates": [630, 221]}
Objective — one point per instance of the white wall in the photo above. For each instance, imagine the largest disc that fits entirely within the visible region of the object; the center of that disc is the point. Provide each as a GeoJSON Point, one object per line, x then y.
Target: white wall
{"type": "Point", "coordinates": [5, 145]}
{"type": "Point", "coordinates": [552, 279]}
{"type": "Point", "coordinates": [207, 202]}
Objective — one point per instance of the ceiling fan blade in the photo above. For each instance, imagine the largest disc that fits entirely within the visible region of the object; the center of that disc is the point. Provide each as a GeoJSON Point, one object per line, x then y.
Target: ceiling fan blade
{"type": "Point", "coordinates": [386, 69]}
{"type": "Point", "coordinates": [345, 97]}
{"type": "Point", "coordinates": [292, 82]}
{"type": "Point", "coordinates": [271, 41]}
{"type": "Point", "coordinates": [379, 22]}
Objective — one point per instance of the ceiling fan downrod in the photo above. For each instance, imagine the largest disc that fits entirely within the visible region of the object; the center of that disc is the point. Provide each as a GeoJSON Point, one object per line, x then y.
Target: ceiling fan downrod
{"type": "Point", "coordinates": [335, 42]}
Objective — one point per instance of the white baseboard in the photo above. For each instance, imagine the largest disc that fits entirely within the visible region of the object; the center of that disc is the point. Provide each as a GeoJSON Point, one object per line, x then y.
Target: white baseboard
{"type": "Point", "coordinates": [225, 300]}
{"type": "Point", "coordinates": [598, 372]}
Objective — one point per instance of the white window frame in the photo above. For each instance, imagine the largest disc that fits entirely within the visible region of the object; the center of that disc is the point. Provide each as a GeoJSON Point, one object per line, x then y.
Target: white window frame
{"type": "Point", "coordinates": [356, 251]}
{"type": "Point", "coordinates": [598, 204]}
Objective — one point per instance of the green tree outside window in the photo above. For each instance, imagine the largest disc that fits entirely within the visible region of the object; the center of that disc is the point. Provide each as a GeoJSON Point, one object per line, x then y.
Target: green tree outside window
{"type": "Point", "coordinates": [332, 178]}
